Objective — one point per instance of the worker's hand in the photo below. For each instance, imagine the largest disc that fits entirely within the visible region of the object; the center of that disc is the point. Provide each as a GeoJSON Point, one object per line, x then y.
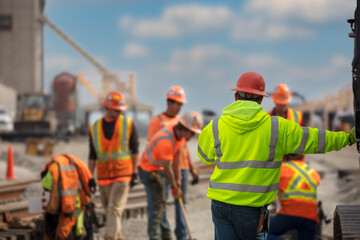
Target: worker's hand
{"type": "Point", "coordinates": [195, 176]}
{"type": "Point", "coordinates": [92, 185]}
{"type": "Point", "coordinates": [134, 180]}
{"type": "Point", "coordinates": [178, 181]}
{"type": "Point", "coordinates": [176, 192]}
{"type": "Point", "coordinates": [352, 138]}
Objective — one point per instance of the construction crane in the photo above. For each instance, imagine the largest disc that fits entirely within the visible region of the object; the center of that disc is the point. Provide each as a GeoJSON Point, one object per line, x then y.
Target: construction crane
{"type": "Point", "coordinates": [110, 81]}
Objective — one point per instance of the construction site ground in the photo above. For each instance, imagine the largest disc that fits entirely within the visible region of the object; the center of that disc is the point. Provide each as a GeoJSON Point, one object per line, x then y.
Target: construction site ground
{"type": "Point", "coordinates": [333, 190]}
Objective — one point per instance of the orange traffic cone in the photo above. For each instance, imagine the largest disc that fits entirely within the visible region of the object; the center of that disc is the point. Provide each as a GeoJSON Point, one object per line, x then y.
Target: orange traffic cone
{"type": "Point", "coordinates": [10, 165]}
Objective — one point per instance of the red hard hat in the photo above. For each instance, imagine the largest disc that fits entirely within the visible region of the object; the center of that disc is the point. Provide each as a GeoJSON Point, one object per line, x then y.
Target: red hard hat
{"type": "Point", "coordinates": [251, 82]}
{"type": "Point", "coordinates": [115, 100]}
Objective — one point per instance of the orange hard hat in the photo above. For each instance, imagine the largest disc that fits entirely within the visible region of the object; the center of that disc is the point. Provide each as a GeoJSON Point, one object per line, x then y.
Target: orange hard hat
{"type": "Point", "coordinates": [251, 82]}
{"type": "Point", "coordinates": [281, 94]}
{"type": "Point", "coordinates": [176, 93]}
{"type": "Point", "coordinates": [192, 121]}
{"type": "Point", "coordinates": [115, 100]}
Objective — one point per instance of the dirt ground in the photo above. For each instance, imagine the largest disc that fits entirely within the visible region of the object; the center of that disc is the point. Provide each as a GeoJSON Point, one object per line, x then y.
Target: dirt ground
{"type": "Point", "coordinates": [332, 190]}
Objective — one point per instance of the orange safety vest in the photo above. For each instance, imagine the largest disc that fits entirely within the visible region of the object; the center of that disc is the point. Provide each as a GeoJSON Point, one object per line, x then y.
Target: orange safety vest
{"type": "Point", "coordinates": [114, 157]}
{"type": "Point", "coordinates": [295, 116]}
{"type": "Point", "coordinates": [158, 122]}
{"type": "Point", "coordinates": [163, 141]}
{"type": "Point", "coordinates": [70, 177]}
{"type": "Point", "coordinates": [298, 183]}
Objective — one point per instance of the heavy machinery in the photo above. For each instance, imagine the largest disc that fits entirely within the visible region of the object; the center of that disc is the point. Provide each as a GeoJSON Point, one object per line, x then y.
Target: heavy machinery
{"type": "Point", "coordinates": [34, 116]}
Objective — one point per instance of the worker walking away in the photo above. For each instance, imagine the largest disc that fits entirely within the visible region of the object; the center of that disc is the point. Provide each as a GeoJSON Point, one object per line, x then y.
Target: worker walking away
{"type": "Point", "coordinates": [297, 194]}
{"type": "Point", "coordinates": [247, 146]}
{"type": "Point", "coordinates": [70, 184]}
{"type": "Point", "coordinates": [114, 148]}
{"type": "Point", "coordinates": [156, 165]}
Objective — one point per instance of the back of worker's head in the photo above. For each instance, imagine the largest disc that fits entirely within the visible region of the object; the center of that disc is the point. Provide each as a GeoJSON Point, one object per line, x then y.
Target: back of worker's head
{"type": "Point", "coordinates": [250, 86]}
{"type": "Point", "coordinates": [281, 94]}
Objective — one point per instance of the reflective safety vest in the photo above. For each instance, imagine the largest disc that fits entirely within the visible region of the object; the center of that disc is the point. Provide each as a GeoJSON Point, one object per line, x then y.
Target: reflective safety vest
{"type": "Point", "coordinates": [298, 183]}
{"type": "Point", "coordinates": [295, 116]}
{"type": "Point", "coordinates": [248, 165]}
{"type": "Point", "coordinates": [151, 160]}
{"type": "Point", "coordinates": [158, 122]}
{"type": "Point", "coordinates": [302, 185]}
{"type": "Point", "coordinates": [114, 157]}
{"type": "Point", "coordinates": [67, 179]}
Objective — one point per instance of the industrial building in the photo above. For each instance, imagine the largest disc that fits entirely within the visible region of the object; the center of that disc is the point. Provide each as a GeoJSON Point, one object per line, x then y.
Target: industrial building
{"type": "Point", "coordinates": [21, 44]}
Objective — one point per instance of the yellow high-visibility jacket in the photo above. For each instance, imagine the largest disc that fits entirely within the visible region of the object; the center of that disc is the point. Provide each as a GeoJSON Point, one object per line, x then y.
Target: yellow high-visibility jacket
{"type": "Point", "coordinates": [247, 145]}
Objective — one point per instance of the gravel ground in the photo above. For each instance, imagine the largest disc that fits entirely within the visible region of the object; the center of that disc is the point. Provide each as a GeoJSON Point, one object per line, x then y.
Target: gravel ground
{"type": "Point", "coordinates": [332, 190]}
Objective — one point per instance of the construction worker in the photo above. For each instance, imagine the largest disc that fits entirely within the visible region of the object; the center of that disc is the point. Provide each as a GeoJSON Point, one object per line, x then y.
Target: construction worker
{"type": "Point", "coordinates": [175, 98]}
{"type": "Point", "coordinates": [247, 146]}
{"type": "Point", "coordinates": [282, 96]}
{"type": "Point", "coordinates": [70, 184]}
{"type": "Point", "coordinates": [156, 165]}
{"type": "Point", "coordinates": [297, 194]}
{"type": "Point", "coordinates": [114, 146]}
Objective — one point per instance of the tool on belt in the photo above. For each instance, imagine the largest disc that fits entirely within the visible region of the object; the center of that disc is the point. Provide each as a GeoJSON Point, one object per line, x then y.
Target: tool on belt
{"type": "Point", "coordinates": [263, 220]}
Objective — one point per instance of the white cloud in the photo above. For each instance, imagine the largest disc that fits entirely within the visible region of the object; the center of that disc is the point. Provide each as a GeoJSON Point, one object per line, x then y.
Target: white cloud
{"type": "Point", "coordinates": [135, 50]}
{"type": "Point", "coordinates": [310, 10]}
{"type": "Point", "coordinates": [179, 20]}
{"type": "Point", "coordinates": [261, 30]}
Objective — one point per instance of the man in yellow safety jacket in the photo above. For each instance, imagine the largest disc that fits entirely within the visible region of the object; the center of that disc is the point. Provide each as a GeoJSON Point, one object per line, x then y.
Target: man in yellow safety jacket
{"type": "Point", "coordinates": [247, 145]}
{"type": "Point", "coordinates": [114, 146]}
{"type": "Point", "coordinates": [70, 184]}
{"type": "Point", "coordinates": [156, 165]}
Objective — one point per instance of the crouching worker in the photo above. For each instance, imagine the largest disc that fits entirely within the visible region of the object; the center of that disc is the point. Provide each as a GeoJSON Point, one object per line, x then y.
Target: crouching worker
{"type": "Point", "coordinates": [70, 184]}
{"type": "Point", "coordinates": [297, 194]}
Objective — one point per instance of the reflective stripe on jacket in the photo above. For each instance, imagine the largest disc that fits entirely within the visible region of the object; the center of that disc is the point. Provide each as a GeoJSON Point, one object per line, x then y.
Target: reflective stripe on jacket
{"type": "Point", "coordinates": [163, 146]}
{"type": "Point", "coordinates": [69, 192]}
{"type": "Point", "coordinates": [158, 122]}
{"type": "Point", "coordinates": [114, 157]}
{"type": "Point", "coordinates": [298, 183]}
{"type": "Point", "coordinates": [302, 185]}
{"type": "Point", "coordinates": [247, 146]}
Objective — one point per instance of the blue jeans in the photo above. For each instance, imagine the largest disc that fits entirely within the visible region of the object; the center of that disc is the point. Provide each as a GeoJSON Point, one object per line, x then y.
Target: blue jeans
{"type": "Point", "coordinates": [180, 229]}
{"type": "Point", "coordinates": [281, 223]}
{"type": "Point", "coordinates": [234, 222]}
{"type": "Point", "coordinates": [155, 187]}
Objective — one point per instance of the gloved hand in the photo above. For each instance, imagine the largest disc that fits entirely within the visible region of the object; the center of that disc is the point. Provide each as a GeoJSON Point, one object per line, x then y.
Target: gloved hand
{"type": "Point", "coordinates": [352, 138]}
{"type": "Point", "coordinates": [176, 192]}
{"type": "Point", "coordinates": [92, 185]}
{"type": "Point", "coordinates": [134, 180]}
{"type": "Point", "coordinates": [195, 176]}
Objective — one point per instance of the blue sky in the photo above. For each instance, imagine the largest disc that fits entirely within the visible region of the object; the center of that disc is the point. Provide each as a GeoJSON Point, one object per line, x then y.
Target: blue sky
{"type": "Point", "coordinates": [204, 46]}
